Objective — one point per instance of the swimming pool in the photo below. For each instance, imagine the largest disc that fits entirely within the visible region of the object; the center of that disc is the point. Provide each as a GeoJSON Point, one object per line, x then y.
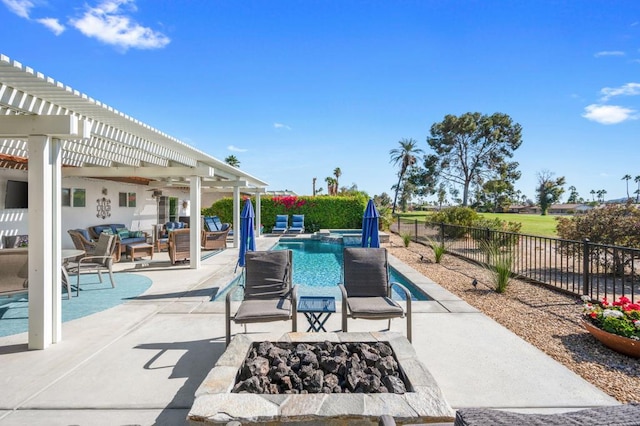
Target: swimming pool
{"type": "Point", "coordinates": [317, 270]}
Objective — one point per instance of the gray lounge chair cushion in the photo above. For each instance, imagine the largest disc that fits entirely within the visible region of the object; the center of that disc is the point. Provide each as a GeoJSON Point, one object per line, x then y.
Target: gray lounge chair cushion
{"type": "Point", "coordinates": [618, 415]}
{"type": "Point", "coordinates": [266, 274]}
{"type": "Point", "coordinates": [365, 272]}
{"type": "Point", "coordinates": [374, 307]}
{"type": "Point", "coordinates": [258, 310]}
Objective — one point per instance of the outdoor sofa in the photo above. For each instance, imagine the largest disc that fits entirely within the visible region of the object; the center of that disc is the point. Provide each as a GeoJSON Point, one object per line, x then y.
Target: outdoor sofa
{"type": "Point", "coordinates": [125, 236]}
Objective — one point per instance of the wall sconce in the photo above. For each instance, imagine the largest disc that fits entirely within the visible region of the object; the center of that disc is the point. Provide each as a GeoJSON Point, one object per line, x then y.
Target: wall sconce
{"type": "Point", "coordinates": [104, 191]}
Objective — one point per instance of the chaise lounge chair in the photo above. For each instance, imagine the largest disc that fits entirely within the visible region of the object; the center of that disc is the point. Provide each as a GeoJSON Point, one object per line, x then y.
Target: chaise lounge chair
{"type": "Point", "coordinates": [366, 291]}
{"type": "Point", "coordinates": [268, 292]}
{"type": "Point", "coordinates": [297, 224]}
{"type": "Point", "coordinates": [282, 224]}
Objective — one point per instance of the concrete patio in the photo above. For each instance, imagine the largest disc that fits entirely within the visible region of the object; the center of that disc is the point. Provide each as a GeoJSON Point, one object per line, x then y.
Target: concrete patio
{"type": "Point", "coordinates": [141, 362]}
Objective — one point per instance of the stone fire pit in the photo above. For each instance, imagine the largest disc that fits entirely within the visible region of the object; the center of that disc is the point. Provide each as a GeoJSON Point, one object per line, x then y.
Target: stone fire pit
{"type": "Point", "coordinates": [422, 402]}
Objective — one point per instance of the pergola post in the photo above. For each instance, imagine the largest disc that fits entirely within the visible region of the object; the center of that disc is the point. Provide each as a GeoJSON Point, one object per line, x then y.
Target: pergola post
{"type": "Point", "coordinates": [45, 276]}
{"type": "Point", "coordinates": [258, 214]}
{"type": "Point", "coordinates": [195, 196]}
{"type": "Point", "coordinates": [236, 216]}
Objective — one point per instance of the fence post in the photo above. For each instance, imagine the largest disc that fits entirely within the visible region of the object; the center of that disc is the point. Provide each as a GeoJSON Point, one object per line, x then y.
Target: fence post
{"type": "Point", "coordinates": [586, 288]}
{"type": "Point", "coordinates": [487, 236]}
{"type": "Point", "coordinates": [442, 232]}
{"type": "Point", "coordinates": [399, 225]}
{"type": "Point", "coordinates": [416, 230]}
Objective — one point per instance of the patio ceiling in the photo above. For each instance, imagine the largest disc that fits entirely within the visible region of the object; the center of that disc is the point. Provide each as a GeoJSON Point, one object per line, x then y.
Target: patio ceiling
{"type": "Point", "coordinates": [118, 146]}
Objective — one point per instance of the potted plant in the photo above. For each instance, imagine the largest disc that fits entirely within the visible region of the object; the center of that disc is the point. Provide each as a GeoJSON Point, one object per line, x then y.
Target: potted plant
{"type": "Point", "coordinates": [616, 325]}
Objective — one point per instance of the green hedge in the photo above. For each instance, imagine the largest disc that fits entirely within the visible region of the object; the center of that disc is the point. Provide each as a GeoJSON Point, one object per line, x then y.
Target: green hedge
{"type": "Point", "coordinates": [320, 212]}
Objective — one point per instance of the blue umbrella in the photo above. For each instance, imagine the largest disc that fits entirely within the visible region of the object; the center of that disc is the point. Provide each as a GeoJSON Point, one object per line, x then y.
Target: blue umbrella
{"type": "Point", "coordinates": [370, 236]}
{"type": "Point", "coordinates": [247, 234]}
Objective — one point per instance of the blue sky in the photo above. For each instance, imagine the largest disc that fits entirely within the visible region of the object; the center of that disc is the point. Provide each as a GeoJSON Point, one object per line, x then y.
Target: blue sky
{"type": "Point", "coordinates": [295, 89]}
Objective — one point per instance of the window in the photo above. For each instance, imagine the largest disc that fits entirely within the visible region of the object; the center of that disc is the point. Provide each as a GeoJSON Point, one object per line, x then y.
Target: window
{"type": "Point", "coordinates": [127, 199]}
{"type": "Point", "coordinates": [74, 197]}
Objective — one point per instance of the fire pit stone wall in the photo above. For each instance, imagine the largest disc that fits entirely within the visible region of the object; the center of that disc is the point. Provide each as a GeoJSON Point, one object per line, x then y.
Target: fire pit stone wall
{"type": "Point", "coordinates": [423, 403]}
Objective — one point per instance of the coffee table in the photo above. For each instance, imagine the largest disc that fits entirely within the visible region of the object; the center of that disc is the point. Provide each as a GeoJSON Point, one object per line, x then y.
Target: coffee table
{"type": "Point", "coordinates": [138, 250]}
{"type": "Point", "coordinates": [317, 309]}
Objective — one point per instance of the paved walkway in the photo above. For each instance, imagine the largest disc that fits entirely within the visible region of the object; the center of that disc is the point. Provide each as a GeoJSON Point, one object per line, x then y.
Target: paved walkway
{"type": "Point", "coordinates": [141, 362]}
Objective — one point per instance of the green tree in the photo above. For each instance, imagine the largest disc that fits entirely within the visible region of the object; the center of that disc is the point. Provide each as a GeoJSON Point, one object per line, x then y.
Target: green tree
{"type": "Point", "coordinates": [405, 157]}
{"type": "Point", "coordinates": [593, 193]}
{"type": "Point", "coordinates": [442, 195]}
{"type": "Point", "coordinates": [497, 194]}
{"type": "Point", "coordinates": [574, 197]}
{"type": "Point", "coordinates": [337, 173]}
{"type": "Point", "coordinates": [471, 148]}
{"type": "Point", "coordinates": [549, 190]}
{"type": "Point", "coordinates": [232, 160]}
{"type": "Point", "coordinates": [332, 188]}
{"type": "Point", "coordinates": [627, 178]}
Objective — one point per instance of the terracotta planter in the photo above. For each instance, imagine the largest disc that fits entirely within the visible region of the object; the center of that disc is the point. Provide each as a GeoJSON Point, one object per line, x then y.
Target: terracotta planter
{"type": "Point", "coordinates": [620, 344]}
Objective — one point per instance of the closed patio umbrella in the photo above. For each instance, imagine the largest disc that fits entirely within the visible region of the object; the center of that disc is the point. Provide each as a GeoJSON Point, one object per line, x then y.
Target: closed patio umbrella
{"type": "Point", "coordinates": [370, 219]}
{"type": "Point", "coordinates": [247, 233]}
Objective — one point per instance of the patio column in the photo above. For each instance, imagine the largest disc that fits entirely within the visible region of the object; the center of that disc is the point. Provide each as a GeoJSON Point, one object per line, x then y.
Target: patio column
{"type": "Point", "coordinates": [236, 216]}
{"type": "Point", "coordinates": [45, 276]}
{"type": "Point", "coordinates": [195, 195]}
{"type": "Point", "coordinates": [258, 214]}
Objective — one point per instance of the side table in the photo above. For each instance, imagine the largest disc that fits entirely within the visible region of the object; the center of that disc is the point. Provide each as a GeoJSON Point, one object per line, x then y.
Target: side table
{"type": "Point", "coordinates": [317, 309]}
{"type": "Point", "coordinates": [139, 250]}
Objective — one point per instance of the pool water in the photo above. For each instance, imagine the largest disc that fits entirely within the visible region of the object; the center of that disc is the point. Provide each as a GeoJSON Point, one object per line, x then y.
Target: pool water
{"type": "Point", "coordinates": [317, 270]}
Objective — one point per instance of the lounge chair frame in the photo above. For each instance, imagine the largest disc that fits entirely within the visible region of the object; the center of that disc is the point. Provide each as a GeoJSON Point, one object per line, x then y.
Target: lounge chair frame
{"type": "Point", "coordinates": [269, 294]}
{"type": "Point", "coordinates": [366, 290]}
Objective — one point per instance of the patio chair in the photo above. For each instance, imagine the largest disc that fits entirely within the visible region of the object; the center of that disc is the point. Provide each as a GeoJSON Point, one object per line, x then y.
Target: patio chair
{"type": "Point", "coordinates": [14, 264]}
{"type": "Point", "coordinates": [179, 245]}
{"type": "Point", "coordinates": [99, 260]}
{"type": "Point", "coordinates": [282, 224]}
{"type": "Point", "coordinates": [366, 291]}
{"type": "Point", "coordinates": [268, 292]}
{"type": "Point", "coordinates": [297, 224]}
{"type": "Point", "coordinates": [214, 236]}
{"type": "Point", "coordinates": [81, 241]}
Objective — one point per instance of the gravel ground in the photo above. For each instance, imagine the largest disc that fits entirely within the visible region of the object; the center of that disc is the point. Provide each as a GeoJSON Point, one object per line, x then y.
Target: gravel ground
{"type": "Point", "coordinates": [543, 317]}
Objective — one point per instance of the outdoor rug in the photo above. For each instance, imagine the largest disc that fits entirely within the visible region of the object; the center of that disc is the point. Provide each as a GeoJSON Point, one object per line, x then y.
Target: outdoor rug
{"type": "Point", "coordinates": [95, 296]}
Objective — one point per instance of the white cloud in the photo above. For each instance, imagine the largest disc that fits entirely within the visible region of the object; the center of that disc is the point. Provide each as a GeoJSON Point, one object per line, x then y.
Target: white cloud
{"type": "Point", "coordinates": [236, 149]}
{"type": "Point", "coordinates": [609, 53]}
{"type": "Point", "coordinates": [108, 23]}
{"type": "Point", "coordinates": [21, 8]}
{"type": "Point", "coordinates": [608, 114]}
{"type": "Point", "coordinates": [281, 126]}
{"type": "Point", "coordinates": [629, 89]}
{"type": "Point", "coordinates": [56, 27]}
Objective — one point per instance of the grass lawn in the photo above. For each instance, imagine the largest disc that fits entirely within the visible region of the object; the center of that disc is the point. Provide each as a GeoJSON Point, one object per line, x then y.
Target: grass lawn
{"type": "Point", "coordinates": [532, 224]}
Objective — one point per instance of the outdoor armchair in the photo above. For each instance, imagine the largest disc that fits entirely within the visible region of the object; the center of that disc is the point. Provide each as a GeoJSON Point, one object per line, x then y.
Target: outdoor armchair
{"type": "Point", "coordinates": [214, 233]}
{"type": "Point", "coordinates": [268, 292]}
{"type": "Point", "coordinates": [282, 223]}
{"type": "Point", "coordinates": [81, 241]}
{"type": "Point", "coordinates": [366, 290]}
{"type": "Point", "coordinates": [100, 259]}
{"type": "Point", "coordinates": [179, 245]}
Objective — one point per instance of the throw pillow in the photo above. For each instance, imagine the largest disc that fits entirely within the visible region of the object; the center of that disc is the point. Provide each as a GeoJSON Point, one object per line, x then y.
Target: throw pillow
{"type": "Point", "coordinates": [107, 231]}
{"type": "Point", "coordinates": [123, 233]}
{"type": "Point", "coordinates": [136, 234]}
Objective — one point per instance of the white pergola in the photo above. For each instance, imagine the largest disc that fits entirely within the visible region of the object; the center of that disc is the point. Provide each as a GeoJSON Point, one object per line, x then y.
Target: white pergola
{"type": "Point", "coordinates": [63, 132]}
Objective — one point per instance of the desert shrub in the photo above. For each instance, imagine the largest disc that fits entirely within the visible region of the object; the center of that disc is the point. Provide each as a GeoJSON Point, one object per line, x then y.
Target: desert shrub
{"type": "Point", "coordinates": [439, 249]}
{"type": "Point", "coordinates": [406, 238]}
{"type": "Point", "coordinates": [612, 224]}
{"type": "Point", "coordinates": [500, 262]}
{"type": "Point", "coordinates": [460, 218]}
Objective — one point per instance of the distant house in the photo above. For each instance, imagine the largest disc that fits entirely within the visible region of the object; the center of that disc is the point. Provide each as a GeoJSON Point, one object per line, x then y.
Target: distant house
{"type": "Point", "coordinates": [554, 209]}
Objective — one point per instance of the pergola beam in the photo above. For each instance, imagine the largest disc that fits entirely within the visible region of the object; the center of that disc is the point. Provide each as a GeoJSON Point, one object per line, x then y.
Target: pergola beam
{"type": "Point", "coordinates": [145, 172]}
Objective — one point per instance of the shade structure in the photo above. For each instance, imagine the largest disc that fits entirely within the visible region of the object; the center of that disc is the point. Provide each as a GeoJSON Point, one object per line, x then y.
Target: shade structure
{"type": "Point", "coordinates": [370, 237]}
{"type": "Point", "coordinates": [247, 233]}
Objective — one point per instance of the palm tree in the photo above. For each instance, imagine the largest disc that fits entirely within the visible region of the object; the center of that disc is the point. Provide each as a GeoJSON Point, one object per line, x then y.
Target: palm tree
{"type": "Point", "coordinates": [637, 180]}
{"type": "Point", "coordinates": [314, 186]}
{"type": "Point", "coordinates": [405, 156]}
{"type": "Point", "coordinates": [232, 160]}
{"type": "Point", "coordinates": [593, 192]}
{"type": "Point", "coordinates": [627, 178]}
{"type": "Point", "coordinates": [331, 185]}
{"type": "Point", "coordinates": [337, 173]}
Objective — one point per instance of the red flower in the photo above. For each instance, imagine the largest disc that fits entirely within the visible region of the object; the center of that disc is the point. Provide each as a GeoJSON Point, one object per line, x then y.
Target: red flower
{"type": "Point", "coordinates": [593, 315]}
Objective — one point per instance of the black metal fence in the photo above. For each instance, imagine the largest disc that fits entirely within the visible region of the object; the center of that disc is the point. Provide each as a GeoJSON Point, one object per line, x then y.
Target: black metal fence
{"type": "Point", "coordinates": [577, 267]}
